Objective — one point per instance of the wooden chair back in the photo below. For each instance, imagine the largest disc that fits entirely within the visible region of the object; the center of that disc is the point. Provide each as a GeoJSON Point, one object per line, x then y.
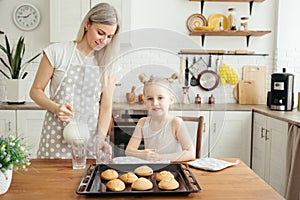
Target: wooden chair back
{"type": "Point", "coordinates": [200, 121]}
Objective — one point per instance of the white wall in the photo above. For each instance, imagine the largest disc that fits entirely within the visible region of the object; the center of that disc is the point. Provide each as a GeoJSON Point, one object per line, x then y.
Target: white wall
{"type": "Point", "coordinates": [288, 42]}
{"type": "Point", "coordinates": [169, 15]}
{"type": "Point", "coordinates": [35, 40]}
{"type": "Point", "coordinates": [172, 15]}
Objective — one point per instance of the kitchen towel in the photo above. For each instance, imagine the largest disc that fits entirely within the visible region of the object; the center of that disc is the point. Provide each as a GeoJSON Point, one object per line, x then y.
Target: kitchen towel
{"type": "Point", "coordinates": [211, 164]}
{"type": "Point", "coordinates": [293, 164]}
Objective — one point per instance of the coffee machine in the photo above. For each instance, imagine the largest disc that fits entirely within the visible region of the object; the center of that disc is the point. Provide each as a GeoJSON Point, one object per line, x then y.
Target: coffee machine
{"type": "Point", "coordinates": [281, 96]}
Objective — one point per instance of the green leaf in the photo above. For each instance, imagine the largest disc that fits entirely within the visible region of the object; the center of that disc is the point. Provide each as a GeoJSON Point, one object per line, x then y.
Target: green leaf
{"type": "Point", "coordinates": [6, 65]}
{"type": "Point", "coordinates": [4, 74]}
{"type": "Point", "coordinates": [15, 58]}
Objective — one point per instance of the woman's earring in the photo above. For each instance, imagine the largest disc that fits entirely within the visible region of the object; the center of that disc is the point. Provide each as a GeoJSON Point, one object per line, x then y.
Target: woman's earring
{"type": "Point", "coordinates": [85, 29]}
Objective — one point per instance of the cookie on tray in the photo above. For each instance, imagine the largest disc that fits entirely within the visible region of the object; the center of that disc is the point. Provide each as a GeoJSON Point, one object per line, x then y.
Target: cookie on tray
{"type": "Point", "coordinates": [143, 170]}
{"type": "Point", "coordinates": [142, 184]}
{"type": "Point", "coordinates": [115, 185]}
{"type": "Point", "coordinates": [109, 174]}
{"type": "Point", "coordinates": [128, 177]}
{"type": "Point", "coordinates": [168, 184]}
{"type": "Point", "coordinates": [164, 175]}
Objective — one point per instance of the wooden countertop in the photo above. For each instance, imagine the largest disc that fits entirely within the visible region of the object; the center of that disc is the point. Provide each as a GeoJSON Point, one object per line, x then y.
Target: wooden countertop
{"type": "Point", "coordinates": [55, 179]}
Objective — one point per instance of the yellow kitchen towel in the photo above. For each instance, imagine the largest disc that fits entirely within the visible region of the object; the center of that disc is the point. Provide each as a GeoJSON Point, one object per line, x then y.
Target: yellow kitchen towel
{"type": "Point", "coordinates": [228, 75]}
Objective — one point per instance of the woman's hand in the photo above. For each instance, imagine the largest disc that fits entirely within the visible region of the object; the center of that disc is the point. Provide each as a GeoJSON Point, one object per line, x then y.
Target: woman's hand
{"type": "Point", "coordinates": [64, 112]}
{"type": "Point", "coordinates": [104, 151]}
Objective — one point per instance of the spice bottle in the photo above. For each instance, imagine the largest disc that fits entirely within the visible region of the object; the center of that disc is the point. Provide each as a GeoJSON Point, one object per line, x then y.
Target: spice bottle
{"type": "Point", "coordinates": [197, 99]}
{"type": "Point", "coordinates": [186, 97]}
{"type": "Point", "coordinates": [141, 98]}
{"type": "Point", "coordinates": [117, 93]}
{"type": "Point", "coordinates": [232, 19]}
{"type": "Point", "coordinates": [211, 99]}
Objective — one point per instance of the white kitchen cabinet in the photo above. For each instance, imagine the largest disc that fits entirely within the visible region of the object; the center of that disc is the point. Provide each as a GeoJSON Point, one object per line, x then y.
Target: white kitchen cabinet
{"type": "Point", "coordinates": [123, 9]}
{"type": "Point", "coordinates": [65, 18]}
{"type": "Point", "coordinates": [29, 126]}
{"type": "Point", "coordinates": [7, 122]}
{"type": "Point", "coordinates": [269, 150]}
{"type": "Point", "coordinates": [192, 127]}
{"type": "Point", "coordinates": [230, 135]}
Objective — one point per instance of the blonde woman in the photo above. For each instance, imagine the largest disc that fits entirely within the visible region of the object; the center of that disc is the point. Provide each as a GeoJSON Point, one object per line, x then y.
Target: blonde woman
{"type": "Point", "coordinates": [165, 136]}
{"type": "Point", "coordinates": [82, 80]}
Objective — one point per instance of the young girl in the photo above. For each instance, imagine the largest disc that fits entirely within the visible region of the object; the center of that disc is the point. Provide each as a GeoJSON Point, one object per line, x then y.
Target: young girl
{"type": "Point", "coordinates": [165, 136]}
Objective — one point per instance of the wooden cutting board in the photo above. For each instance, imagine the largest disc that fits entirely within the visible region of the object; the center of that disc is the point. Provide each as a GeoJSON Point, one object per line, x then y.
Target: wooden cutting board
{"type": "Point", "coordinates": [257, 74]}
{"type": "Point", "coordinates": [247, 92]}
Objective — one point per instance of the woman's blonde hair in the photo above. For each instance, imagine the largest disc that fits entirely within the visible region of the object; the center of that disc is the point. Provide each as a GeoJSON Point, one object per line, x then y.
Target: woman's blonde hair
{"type": "Point", "coordinates": [103, 13]}
{"type": "Point", "coordinates": [164, 82]}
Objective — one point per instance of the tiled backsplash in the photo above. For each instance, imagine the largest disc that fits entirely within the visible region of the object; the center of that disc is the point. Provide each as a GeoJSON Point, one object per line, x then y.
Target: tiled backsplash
{"type": "Point", "coordinates": [164, 64]}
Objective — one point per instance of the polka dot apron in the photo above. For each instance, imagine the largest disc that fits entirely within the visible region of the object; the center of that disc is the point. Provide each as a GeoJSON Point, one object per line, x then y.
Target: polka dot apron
{"type": "Point", "coordinates": [81, 88]}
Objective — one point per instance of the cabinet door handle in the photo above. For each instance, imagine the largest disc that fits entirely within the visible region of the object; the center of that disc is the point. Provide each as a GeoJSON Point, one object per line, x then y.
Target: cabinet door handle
{"type": "Point", "coordinates": [9, 126]}
{"type": "Point", "coordinates": [267, 138]}
{"type": "Point", "coordinates": [215, 127]}
{"type": "Point", "coordinates": [204, 125]}
{"type": "Point", "coordinates": [262, 132]}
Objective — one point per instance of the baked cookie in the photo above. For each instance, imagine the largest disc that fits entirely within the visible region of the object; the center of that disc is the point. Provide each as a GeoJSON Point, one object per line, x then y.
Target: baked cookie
{"type": "Point", "coordinates": [168, 184]}
{"type": "Point", "coordinates": [142, 184]}
{"type": "Point", "coordinates": [115, 185]}
{"type": "Point", "coordinates": [143, 170]}
{"type": "Point", "coordinates": [128, 177]}
{"type": "Point", "coordinates": [109, 174]}
{"type": "Point", "coordinates": [164, 175]}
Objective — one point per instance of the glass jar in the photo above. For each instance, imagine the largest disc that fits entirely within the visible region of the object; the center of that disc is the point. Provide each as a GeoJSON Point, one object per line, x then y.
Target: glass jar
{"type": "Point", "coordinates": [244, 23]}
{"type": "Point", "coordinates": [232, 19]}
{"type": "Point", "coordinates": [117, 93]}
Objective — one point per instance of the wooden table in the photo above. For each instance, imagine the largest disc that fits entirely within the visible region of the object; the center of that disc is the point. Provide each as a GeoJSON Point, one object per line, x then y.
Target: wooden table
{"type": "Point", "coordinates": [56, 180]}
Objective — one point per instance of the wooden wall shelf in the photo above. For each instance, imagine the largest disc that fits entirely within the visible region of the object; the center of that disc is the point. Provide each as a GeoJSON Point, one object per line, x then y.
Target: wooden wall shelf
{"type": "Point", "coordinates": [246, 34]}
{"type": "Point", "coordinates": [241, 1]}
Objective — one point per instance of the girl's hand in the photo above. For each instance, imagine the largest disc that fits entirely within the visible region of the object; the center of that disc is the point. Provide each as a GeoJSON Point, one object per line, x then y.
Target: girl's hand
{"type": "Point", "coordinates": [151, 155]}
{"type": "Point", "coordinates": [64, 112]}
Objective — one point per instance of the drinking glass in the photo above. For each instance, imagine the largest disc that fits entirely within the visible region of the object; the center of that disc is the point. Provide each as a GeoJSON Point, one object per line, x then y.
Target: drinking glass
{"type": "Point", "coordinates": [78, 153]}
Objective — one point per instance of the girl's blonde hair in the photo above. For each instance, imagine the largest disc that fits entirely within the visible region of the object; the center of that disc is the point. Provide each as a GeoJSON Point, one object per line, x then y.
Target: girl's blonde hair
{"type": "Point", "coordinates": [103, 13]}
{"type": "Point", "coordinates": [164, 82]}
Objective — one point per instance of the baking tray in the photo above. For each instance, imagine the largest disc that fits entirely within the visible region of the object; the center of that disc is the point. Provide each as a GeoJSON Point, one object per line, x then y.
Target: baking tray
{"type": "Point", "coordinates": [92, 184]}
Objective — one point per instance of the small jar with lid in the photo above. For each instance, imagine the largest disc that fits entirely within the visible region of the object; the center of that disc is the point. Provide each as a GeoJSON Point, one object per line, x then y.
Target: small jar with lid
{"type": "Point", "coordinates": [244, 23]}
{"type": "Point", "coordinates": [232, 19]}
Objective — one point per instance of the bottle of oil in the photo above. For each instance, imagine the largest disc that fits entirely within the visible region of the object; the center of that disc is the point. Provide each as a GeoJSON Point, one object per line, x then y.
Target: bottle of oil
{"type": "Point", "coordinates": [231, 19]}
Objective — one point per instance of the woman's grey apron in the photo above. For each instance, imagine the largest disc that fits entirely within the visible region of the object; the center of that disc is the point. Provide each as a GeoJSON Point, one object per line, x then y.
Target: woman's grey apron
{"type": "Point", "coordinates": [80, 87]}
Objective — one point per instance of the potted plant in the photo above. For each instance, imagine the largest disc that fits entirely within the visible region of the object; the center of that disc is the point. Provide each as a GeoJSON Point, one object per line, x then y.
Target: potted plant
{"type": "Point", "coordinates": [13, 155]}
{"type": "Point", "coordinates": [15, 70]}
